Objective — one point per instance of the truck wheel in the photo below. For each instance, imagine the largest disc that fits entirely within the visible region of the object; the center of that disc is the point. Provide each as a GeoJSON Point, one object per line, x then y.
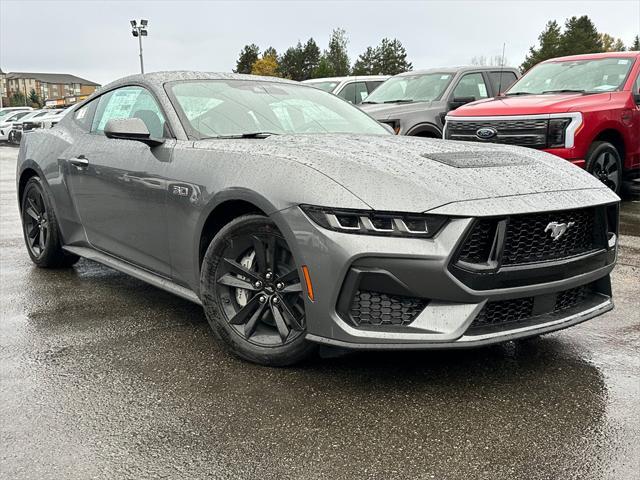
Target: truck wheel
{"type": "Point", "coordinates": [603, 162]}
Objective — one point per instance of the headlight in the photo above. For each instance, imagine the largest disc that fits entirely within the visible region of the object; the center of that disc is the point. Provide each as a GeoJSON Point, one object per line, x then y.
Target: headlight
{"type": "Point", "coordinates": [556, 132]}
{"type": "Point", "coordinates": [368, 222]}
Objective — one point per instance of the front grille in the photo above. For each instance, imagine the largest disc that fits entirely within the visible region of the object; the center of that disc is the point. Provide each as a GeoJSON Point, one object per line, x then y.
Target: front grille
{"type": "Point", "coordinates": [529, 240]}
{"type": "Point", "coordinates": [526, 133]}
{"type": "Point", "coordinates": [522, 309]}
{"type": "Point", "coordinates": [375, 308]}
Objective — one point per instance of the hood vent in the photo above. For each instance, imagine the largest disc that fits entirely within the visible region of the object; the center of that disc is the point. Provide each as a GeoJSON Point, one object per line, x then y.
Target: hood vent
{"type": "Point", "coordinates": [479, 159]}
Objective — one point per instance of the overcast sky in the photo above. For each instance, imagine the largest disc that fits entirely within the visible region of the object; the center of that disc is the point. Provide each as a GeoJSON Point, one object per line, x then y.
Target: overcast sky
{"type": "Point", "coordinates": [92, 39]}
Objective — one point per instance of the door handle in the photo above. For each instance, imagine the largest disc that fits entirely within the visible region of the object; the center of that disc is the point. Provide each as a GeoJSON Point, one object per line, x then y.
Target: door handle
{"type": "Point", "coordinates": [80, 161]}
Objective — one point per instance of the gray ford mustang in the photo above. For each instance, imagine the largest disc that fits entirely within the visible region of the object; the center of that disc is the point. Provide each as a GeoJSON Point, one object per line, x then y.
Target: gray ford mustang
{"type": "Point", "coordinates": [296, 220]}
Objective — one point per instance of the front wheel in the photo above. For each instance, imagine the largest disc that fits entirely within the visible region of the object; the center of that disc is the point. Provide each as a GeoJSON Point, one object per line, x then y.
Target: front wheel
{"type": "Point", "coordinates": [252, 294]}
{"type": "Point", "coordinates": [40, 228]}
{"type": "Point", "coordinates": [603, 162]}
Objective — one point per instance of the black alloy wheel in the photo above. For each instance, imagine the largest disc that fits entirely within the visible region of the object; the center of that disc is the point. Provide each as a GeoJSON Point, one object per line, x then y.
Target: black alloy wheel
{"type": "Point", "coordinates": [252, 292]}
{"type": "Point", "coordinates": [603, 162]}
{"type": "Point", "coordinates": [40, 228]}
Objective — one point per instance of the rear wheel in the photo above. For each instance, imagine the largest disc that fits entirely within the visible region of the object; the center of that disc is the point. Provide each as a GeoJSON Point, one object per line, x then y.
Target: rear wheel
{"type": "Point", "coordinates": [40, 228]}
{"type": "Point", "coordinates": [603, 162]}
{"type": "Point", "coordinates": [252, 294]}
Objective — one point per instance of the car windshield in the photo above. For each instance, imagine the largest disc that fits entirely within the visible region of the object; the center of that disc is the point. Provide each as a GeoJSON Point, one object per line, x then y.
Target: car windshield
{"type": "Point", "coordinates": [581, 76]}
{"type": "Point", "coordinates": [411, 88]}
{"type": "Point", "coordinates": [326, 86]}
{"type": "Point", "coordinates": [221, 108]}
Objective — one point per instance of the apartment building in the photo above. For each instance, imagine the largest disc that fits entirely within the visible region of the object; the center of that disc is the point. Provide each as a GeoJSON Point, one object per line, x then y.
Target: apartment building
{"type": "Point", "coordinates": [56, 89]}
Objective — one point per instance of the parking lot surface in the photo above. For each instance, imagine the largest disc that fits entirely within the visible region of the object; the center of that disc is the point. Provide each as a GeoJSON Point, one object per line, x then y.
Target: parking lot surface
{"type": "Point", "coordinates": [106, 377]}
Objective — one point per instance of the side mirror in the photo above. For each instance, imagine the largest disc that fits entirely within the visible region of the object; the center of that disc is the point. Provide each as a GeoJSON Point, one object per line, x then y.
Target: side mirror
{"type": "Point", "coordinates": [130, 129]}
{"type": "Point", "coordinates": [460, 101]}
{"type": "Point", "coordinates": [388, 128]}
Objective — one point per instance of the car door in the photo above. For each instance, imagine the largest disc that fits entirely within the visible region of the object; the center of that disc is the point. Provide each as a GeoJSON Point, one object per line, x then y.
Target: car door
{"type": "Point", "coordinates": [119, 187]}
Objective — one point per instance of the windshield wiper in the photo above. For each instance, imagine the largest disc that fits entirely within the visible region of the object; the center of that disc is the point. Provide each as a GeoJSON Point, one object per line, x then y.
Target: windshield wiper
{"type": "Point", "coordinates": [564, 90]}
{"type": "Point", "coordinates": [517, 93]}
{"type": "Point", "coordinates": [399, 100]}
{"type": "Point", "coordinates": [369, 101]}
{"type": "Point", "coordinates": [243, 135]}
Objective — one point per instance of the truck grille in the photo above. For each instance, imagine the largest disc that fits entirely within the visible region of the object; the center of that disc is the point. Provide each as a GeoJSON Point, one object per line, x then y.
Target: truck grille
{"type": "Point", "coordinates": [521, 309]}
{"type": "Point", "coordinates": [528, 237]}
{"type": "Point", "coordinates": [526, 133]}
{"type": "Point", "coordinates": [375, 308]}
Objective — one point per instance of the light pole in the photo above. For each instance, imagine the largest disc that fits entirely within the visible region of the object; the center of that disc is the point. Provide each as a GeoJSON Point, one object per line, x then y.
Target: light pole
{"type": "Point", "coordinates": [139, 31]}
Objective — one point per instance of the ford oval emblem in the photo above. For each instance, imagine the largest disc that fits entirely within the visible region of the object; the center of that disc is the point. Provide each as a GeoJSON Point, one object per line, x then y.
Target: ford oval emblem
{"type": "Point", "coordinates": [485, 133]}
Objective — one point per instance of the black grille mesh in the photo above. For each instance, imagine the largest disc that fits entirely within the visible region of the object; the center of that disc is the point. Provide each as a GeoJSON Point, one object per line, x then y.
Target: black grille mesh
{"type": "Point", "coordinates": [518, 309]}
{"type": "Point", "coordinates": [477, 246]}
{"type": "Point", "coordinates": [505, 311]}
{"type": "Point", "coordinates": [375, 308]}
{"type": "Point", "coordinates": [527, 241]}
{"type": "Point", "coordinates": [572, 298]}
{"type": "Point", "coordinates": [529, 133]}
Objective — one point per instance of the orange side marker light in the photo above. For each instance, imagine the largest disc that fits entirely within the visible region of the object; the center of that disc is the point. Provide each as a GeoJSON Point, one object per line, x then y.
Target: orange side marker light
{"type": "Point", "coordinates": [307, 280]}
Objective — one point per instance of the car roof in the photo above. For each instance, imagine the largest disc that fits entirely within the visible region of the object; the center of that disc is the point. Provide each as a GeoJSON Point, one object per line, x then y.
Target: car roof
{"type": "Point", "coordinates": [595, 56]}
{"type": "Point", "coordinates": [350, 77]}
{"type": "Point", "coordinates": [461, 69]}
{"type": "Point", "coordinates": [160, 78]}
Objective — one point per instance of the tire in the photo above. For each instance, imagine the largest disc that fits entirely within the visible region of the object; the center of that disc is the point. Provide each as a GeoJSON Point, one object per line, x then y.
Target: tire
{"type": "Point", "coordinates": [263, 323]}
{"type": "Point", "coordinates": [604, 163]}
{"type": "Point", "coordinates": [40, 228]}
{"type": "Point", "coordinates": [12, 138]}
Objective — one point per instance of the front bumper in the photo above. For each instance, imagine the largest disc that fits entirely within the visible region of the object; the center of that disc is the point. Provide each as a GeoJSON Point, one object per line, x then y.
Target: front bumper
{"type": "Point", "coordinates": [421, 268]}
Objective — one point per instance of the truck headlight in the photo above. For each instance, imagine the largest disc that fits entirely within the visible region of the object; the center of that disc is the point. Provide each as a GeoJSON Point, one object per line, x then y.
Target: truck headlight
{"type": "Point", "coordinates": [556, 132]}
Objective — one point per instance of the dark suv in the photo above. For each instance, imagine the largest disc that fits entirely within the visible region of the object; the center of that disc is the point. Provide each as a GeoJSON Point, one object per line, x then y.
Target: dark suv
{"type": "Point", "coordinates": [416, 103]}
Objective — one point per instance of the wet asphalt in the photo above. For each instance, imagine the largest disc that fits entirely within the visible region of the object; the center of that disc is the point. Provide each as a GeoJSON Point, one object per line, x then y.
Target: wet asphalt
{"type": "Point", "coordinates": [105, 377]}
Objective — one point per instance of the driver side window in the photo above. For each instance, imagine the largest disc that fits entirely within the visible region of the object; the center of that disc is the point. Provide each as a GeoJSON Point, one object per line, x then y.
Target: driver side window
{"type": "Point", "coordinates": [471, 85]}
{"type": "Point", "coordinates": [129, 102]}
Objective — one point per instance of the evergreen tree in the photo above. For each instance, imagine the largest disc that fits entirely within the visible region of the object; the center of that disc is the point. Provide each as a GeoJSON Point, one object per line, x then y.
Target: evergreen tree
{"type": "Point", "coordinates": [549, 46]}
{"type": "Point", "coordinates": [270, 52]}
{"type": "Point", "coordinates": [34, 99]}
{"type": "Point", "coordinates": [366, 62]}
{"type": "Point", "coordinates": [324, 69]}
{"type": "Point", "coordinates": [336, 55]}
{"type": "Point", "coordinates": [17, 100]}
{"type": "Point", "coordinates": [580, 36]}
{"type": "Point", "coordinates": [635, 46]}
{"type": "Point", "coordinates": [311, 59]}
{"type": "Point", "coordinates": [391, 58]}
{"type": "Point", "coordinates": [292, 63]}
{"type": "Point", "coordinates": [248, 56]}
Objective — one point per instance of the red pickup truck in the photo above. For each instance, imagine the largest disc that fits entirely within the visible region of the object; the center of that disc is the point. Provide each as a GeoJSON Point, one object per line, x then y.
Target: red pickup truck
{"type": "Point", "coordinates": [584, 108]}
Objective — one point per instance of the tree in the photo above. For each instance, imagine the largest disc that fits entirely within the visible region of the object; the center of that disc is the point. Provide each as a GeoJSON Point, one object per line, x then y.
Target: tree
{"type": "Point", "coordinates": [580, 36]}
{"type": "Point", "coordinates": [635, 46]}
{"type": "Point", "coordinates": [324, 69]}
{"type": "Point", "coordinates": [610, 44]}
{"type": "Point", "coordinates": [311, 56]}
{"type": "Point", "coordinates": [391, 58]}
{"type": "Point", "coordinates": [336, 55]}
{"type": "Point", "coordinates": [17, 100]}
{"type": "Point", "coordinates": [291, 64]}
{"type": "Point", "coordinates": [248, 56]}
{"type": "Point", "coordinates": [267, 66]}
{"type": "Point", "coordinates": [270, 52]}
{"type": "Point", "coordinates": [34, 99]}
{"type": "Point", "coordinates": [494, 61]}
{"type": "Point", "coordinates": [366, 63]}
{"type": "Point", "coordinates": [549, 46]}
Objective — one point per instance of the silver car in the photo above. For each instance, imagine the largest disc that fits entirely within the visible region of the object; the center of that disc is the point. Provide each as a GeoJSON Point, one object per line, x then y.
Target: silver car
{"type": "Point", "coordinates": [354, 89]}
{"type": "Point", "coordinates": [297, 220]}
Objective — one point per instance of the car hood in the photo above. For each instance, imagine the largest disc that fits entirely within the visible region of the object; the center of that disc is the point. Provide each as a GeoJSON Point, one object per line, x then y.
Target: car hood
{"type": "Point", "coordinates": [416, 174]}
{"type": "Point", "coordinates": [530, 104]}
{"type": "Point", "coordinates": [390, 111]}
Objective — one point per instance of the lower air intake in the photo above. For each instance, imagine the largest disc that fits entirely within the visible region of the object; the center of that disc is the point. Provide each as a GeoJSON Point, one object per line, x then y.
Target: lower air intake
{"type": "Point", "coordinates": [370, 308]}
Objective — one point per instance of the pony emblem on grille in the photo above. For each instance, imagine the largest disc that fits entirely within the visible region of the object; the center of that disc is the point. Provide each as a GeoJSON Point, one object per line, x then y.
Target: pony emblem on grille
{"type": "Point", "coordinates": [558, 229]}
